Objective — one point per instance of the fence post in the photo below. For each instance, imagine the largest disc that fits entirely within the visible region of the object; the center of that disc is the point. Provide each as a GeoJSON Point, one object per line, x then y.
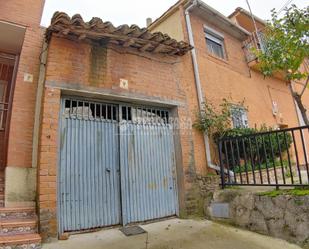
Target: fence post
{"type": "Point", "coordinates": [221, 165]}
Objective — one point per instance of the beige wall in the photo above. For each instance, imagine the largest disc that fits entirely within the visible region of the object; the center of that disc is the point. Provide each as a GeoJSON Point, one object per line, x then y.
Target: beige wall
{"type": "Point", "coordinates": [172, 26]}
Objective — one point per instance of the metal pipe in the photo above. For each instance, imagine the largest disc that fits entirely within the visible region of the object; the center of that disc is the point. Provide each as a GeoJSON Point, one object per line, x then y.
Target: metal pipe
{"type": "Point", "coordinates": [254, 23]}
{"type": "Point", "coordinates": [38, 104]}
{"type": "Point", "coordinates": [198, 80]}
{"type": "Point", "coordinates": [193, 53]}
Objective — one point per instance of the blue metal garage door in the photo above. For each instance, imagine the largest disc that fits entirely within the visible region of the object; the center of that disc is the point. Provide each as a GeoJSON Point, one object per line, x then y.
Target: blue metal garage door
{"type": "Point", "coordinates": [147, 165]}
{"type": "Point", "coordinates": [89, 189]}
{"type": "Point", "coordinates": [117, 165]}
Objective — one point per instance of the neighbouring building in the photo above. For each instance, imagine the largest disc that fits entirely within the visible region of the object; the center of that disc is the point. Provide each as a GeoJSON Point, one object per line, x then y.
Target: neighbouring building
{"type": "Point", "coordinates": [108, 152]}
{"type": "Point", "coordinates": [225, 67]}
{"type": "Point", "coordinates": [21, 39]}
{"type": "Point", "coordinates": [96, 120]}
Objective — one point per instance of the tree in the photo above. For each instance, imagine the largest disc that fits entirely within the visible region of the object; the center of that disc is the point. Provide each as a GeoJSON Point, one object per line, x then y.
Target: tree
{"type": "Point", "coordinates": [285, 49]}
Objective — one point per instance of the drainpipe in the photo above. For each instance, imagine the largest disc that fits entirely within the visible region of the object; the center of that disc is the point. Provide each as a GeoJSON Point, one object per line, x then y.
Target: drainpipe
{"type": "Point", "coordinates": [38, 105]}
{"type": "Point", "coordinates": [198, 81]}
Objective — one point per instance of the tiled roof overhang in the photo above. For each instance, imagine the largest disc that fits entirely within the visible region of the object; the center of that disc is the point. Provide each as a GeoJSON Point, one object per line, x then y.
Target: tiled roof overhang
{"type": "Point", "coordinates": [104, 32]}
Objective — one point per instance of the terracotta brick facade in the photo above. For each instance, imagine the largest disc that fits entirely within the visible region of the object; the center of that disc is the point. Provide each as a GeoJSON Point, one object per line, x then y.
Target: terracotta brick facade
{"type": "Point", "coordinates": [78, 68]}
{"type": "Point", "coordinates": [74, 67]}
{"type": "Point", "coordinates": [28, 14]}
{"type": "Point", "coordinates": [231, 78]}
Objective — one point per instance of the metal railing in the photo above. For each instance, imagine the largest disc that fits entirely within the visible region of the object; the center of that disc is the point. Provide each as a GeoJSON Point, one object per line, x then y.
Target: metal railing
{"type": "Point", "coordinates": [272, 158]}
{"type": "Point", "coordinates": [255, 41]}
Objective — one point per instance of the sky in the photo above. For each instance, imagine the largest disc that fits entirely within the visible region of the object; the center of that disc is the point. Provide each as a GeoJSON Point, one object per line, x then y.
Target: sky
{"type": "Point", "coordinates": [136, 11]}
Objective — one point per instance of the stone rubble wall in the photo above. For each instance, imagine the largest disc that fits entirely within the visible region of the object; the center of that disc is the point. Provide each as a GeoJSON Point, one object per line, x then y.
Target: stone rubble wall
{"type": "Point", "coordinates": [284, 216]}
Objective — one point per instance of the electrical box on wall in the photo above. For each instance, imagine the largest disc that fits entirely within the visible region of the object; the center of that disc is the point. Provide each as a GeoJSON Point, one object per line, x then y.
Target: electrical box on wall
{"type": "Point", "coordinates": [275, 108]}
{"type": "Point", "coordinates": [124, 84]}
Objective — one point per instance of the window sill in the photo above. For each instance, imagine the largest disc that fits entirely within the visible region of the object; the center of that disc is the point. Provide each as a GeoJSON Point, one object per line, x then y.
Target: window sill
{"type": "Point", "coordinates": [217, 58]}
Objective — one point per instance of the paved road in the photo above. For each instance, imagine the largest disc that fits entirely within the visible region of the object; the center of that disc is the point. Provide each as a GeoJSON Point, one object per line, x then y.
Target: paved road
{"type": "Point", "coordinates": [174, 234]}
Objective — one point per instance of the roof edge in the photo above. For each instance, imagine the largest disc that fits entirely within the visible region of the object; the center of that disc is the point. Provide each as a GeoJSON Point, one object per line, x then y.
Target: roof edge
{"type": "Point", "coordinates": [222, 17]}
{"type": "Point", "coordinates": [203, 6]}
{"type": "Point", "coordinates": [101, 32]}
{"type": "Point", "coordinates": [246, 12]}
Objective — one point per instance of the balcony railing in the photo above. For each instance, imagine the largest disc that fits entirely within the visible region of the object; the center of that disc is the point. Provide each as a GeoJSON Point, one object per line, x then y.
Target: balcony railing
{"type": "Point", "coordinates": [273, 158]}
{"type": "Point", "coordinates": [254, 42]}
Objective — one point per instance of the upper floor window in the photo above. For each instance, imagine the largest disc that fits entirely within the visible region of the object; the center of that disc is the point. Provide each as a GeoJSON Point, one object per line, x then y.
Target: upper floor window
{"type": "Point", "coordinates": [239, 117]}
{"type": "Point", "coordinates": [215, 43]}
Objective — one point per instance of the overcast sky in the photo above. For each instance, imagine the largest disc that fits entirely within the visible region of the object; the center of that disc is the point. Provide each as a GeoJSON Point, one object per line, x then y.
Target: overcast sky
{"type": "Point", "coordinates": [136, 11]}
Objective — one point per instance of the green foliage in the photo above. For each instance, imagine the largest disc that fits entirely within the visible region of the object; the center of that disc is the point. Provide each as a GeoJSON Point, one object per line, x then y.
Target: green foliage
{"type": "Point", "coordinates": [285, 44]}
{"type": "Point", "coordinates": [234, 132]}
{"type": "Point", "coordinates": [294, 192]}
{"type": "Point", "coordinates": [213, 120]}
{"type": "Point", "coordinates": [270, 164]}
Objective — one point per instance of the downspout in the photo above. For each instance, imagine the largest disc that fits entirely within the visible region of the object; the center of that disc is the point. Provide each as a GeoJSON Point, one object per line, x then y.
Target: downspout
{"type": "Point", "coordinates": [198, 81]}
{"type": "Point", "coordinates": [38, 105]}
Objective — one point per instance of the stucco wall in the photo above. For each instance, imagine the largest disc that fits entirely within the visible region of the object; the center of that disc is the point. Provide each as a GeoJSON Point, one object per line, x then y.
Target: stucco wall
{"type": "Point", "coordinates": [172, 26]}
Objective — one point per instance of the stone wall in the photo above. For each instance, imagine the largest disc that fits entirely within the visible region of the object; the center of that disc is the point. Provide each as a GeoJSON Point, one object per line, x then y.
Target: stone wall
{"type": "Point", "coordinates": [284, 216]}
{"type": "Point", "coordinates": [208, 184]}
{"type": "Point", "coordinates": [202, 188]}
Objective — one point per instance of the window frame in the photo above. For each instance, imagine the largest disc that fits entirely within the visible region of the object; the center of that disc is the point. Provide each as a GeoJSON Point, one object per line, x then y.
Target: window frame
{"type": "Point", "coordinates": [241, 119]}
{"type": "Point", "coordinates": [215, 37]}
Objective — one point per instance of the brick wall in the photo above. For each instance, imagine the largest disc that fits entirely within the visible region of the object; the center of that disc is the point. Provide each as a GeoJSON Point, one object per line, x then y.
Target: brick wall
{"type": "Point", "coordinates": [93, 69]}
{"type": "Point", "coordinates": [232, 79]}
{"type": "Point", "coordinates": [22, 119]}
{"type": "Point", "coordinates": [28, 14]}
{"type": "Point", "coordinates": [47, 179]}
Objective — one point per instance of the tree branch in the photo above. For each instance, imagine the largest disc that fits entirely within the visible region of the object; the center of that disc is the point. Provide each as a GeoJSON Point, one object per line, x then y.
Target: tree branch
{"type": "Point", "coordinates": [305, 86]}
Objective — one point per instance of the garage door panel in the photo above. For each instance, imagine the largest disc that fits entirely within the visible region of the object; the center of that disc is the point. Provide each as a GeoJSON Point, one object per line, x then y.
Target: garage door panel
{"type": "Point", "coordinates": [89, 194]}
{"type": "Point", "coordinates": [116, 165]}
{"type": "Point", "coordinates": [149, 190]}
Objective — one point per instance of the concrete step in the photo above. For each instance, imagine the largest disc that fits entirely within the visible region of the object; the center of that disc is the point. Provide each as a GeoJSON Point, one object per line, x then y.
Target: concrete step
{"type": "Point", "coordinates": [21, 241]}
{"type": "Point", "coordinates": [17, 213]}
{"type": "Point", "coordinates": [18, 226]}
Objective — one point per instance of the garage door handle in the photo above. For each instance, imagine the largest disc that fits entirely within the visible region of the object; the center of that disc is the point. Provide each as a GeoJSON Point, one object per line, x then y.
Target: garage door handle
{"type": "Point", "coordinates": [108, 170]}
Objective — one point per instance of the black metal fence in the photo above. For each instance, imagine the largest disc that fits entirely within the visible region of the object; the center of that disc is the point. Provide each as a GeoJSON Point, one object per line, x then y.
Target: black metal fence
{"type": "Point", "coordinates": [272, 158]}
